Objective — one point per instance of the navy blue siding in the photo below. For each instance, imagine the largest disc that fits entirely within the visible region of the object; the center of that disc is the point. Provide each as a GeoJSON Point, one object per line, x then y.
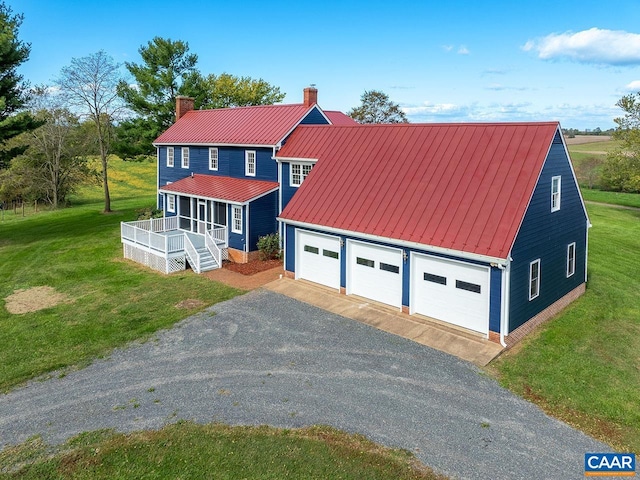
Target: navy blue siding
{"type": "Point", "coordinates": [262, 218]}
{"type": "Point", "coordinates": [290, 248]}
{"type": "Point", "coordinates": [545, 235]}
{"type": "Point", "coordinates": [495, 298]}
{"type": "Point", "coordinates": [314, 117]}
{"type": "Point", "coordinates": [237, 240]}
{"type": "Point", "coordinates": [287, 190]}
{"type": "Point", "coordinates": [231, 163]}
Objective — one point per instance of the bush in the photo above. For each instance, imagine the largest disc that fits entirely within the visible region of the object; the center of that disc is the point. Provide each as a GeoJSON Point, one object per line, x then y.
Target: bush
{"type": "Point", "coordinates": [621, 173]}
{"type": "Point", "coordinates": [269, 246]}
{"type": "Point", "coordinates": [148, 213]}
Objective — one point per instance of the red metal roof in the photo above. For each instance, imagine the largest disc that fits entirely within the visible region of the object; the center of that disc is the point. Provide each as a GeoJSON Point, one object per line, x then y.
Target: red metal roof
{"type": "Point", "coordinates": [237, 190]}
{"type": "Point", "coordinates": [260, 125]}
{"type": "Point", "coordinates": [463, 187]}
{"type": "Point", "coordinates": [339, 118]}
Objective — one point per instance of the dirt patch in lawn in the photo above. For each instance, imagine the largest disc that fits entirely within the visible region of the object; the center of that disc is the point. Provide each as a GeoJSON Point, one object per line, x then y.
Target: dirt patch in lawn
{"type": "Point", "coordinates": [190, 303]}
{"type": "Point", "coordinates": [253, 267]}
{"type": "Point", "coordinates": [34, 299]}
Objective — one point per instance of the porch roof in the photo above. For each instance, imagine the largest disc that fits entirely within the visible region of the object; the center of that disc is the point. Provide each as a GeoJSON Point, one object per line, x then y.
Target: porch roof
{"type": "Point", "coordinates": [228, 189]}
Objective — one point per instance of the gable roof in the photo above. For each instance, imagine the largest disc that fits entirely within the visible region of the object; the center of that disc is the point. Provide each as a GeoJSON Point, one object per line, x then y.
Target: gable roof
{"type": "Point", "coordinates": [263, 125]}
{"type": "Point", "coordinates": [462, 187]}
{"type": "Point", "coordinates": [339, 118]}
{"type": "Point", "coordinates": [228, 189]}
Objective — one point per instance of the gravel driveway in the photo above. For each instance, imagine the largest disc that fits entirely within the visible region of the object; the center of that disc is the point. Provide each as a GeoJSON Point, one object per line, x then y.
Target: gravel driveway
{"type": "Point", "coordinates": [264, 358]}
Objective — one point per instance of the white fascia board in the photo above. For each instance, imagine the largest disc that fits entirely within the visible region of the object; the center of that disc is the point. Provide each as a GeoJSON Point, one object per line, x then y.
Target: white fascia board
{"type": "Point", "coordinates": [401, 243]}
{"type": "Point", "coordinates": [222, 200]}
{"type": "Point", "coordinates": [295, 160]}
{"type": "Point", "coordinates": [314, 106]}
{"type": "Point", "coordinates": [209, 144]}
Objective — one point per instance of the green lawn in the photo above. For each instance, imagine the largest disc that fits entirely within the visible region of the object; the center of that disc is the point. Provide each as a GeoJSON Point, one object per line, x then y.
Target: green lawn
{"type": "Point", "coordinates": [584, 366]}
{"type": "Point", "coordinates": [614, 198]}
{"type": "Point", "coordinates": [189, 451]}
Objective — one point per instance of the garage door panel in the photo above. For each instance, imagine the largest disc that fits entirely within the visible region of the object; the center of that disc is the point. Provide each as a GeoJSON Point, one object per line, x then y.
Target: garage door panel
{"type": "Point", "coordinates": [375, 272]}
{"type": "Point", "coordinates": [318, 258]}
{"type": "Point", "coordinates": [451, 291]}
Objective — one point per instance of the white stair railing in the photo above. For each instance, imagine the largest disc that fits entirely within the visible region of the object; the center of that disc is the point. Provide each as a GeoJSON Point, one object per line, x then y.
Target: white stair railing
{"type": "Point", "coordinates": [192, 254]}
{"type": "Point", "coordinates": [210, 243]}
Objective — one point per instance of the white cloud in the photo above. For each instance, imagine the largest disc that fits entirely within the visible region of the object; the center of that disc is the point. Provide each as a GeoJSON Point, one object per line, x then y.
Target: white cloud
{"type": "Point", "coordinates": [599, 46]}
{"type": "Point", "coordinates": [462, 50]}
{"type": "Point", "coordinates": [633, 86]}
{"type": "Point", "coordinates": [447, 48]}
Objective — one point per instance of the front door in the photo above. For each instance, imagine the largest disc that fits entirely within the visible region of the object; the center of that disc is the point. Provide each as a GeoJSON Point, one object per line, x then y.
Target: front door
{"type": "Point", "coordinates": [202, 216]}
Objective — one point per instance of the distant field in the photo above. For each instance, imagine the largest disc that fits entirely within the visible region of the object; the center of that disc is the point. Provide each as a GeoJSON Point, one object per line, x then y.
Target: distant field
{"type": "Point", "coordinates": [580, 139]}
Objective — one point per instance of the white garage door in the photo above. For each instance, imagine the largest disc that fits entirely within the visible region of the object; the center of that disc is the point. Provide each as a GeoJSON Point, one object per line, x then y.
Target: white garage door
{"type": "Point", "coordinates": [451, 291]}
{"type": "Point", "coordinates": [374, 272]}
{"type": "Point", "coordinates": [318, 258]}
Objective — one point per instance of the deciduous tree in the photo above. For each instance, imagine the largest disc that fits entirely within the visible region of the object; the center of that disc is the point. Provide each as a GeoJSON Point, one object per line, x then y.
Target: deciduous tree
{"type": "Point", "coordinates": [376, 107]}
{"type": "Point", "coordinates": [90, 85]}
{"type": "Point", "coordinates": [226, 90]}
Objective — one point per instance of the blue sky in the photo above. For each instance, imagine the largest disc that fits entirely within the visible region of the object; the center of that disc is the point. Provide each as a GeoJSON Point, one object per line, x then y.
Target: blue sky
{"type": "Point", "coordinates": [452, 61]}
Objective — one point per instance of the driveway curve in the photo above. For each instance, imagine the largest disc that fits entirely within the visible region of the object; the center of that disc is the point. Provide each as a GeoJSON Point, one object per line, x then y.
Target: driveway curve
{"type": "Point", "coordinates": [263, 358]}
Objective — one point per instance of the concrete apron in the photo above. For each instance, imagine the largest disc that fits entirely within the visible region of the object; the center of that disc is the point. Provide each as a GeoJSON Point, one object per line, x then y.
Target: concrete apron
{"type": "Point", "coordinates": [461, 343]}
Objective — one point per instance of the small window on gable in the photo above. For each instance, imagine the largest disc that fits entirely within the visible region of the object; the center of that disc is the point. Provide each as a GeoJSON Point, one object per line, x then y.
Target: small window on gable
{"type": "Point", "coordinates": [236, 226]}
{"type": "Point", "coordinates": [171, 203]}
{"type": "Point", "coordinates": [555, 193]}
{"type": "Point", "coordinates": [169, 156]}
{"type": "Point", "coordinates": [213, 158]}
{"type": "Point", "coordinates": [534, 279]}
{"type": "Point", "coordinates": [250, 163]}
{"type": "Point", "coordinates": [571, 259]}
{"type": "Point", "coordinates": [185, 157]}
{"type": "Point", "coordinates": [299, 172]}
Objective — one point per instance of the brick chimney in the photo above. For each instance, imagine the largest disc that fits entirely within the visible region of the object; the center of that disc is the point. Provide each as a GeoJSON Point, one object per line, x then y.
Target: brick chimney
{"type": "Point", "coordinates": [310, 96]}
{"type": "Point", "coordinates": [183, 105]}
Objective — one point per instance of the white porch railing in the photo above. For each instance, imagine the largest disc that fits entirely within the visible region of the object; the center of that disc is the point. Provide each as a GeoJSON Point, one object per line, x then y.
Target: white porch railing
{"type": "Point", "coordinates": [152, 234]}
{"type": "Point", "coordinates": [219, 234]}
{"type": "Point", "coordinates": [210, 243]}
{"type": "Point", "coordinates": [192, 254]}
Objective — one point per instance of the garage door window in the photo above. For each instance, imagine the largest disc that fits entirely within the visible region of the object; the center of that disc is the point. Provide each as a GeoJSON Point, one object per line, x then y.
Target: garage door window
{"type": "Point", "coordinates": [430, 277]}
{"type": "Point", "coordinates": [310, 249]}
{"type": "Point", "coordinates": [365, 262]}
{"type": "Point", "coordinates": [469, 287]}
{"type": "Point", "coordinates": [330, 253]}
{"type": "Point", "coordinates": [389, 268]}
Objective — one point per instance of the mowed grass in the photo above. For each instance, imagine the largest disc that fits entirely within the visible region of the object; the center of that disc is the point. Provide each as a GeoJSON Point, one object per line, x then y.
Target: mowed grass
{"type": "Point", "coordinates": [584, 365]}
{"type": "Point", "coordinates": [77, 251]}
{"type": "Point", "coordinates": [189, 451]}
{"type": "Point", "coordinates": [613, 198]}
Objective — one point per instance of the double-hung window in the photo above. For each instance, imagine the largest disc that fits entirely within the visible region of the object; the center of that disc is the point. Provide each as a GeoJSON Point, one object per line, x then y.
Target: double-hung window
{"type": "Point", "coordinates": [299, 172]}
{"type": "Point", "coordinates": [185, 157]}
{"type": "Point", "coordinates": [534, 279]}
{"type": "Point", "coordinates": [250, 163]}
{"type": "Point", "coordinates": [236, 224]}
{"type": "Point", "coordinates": [169, 156]}
{"type": "Point", "coordinates": [171, 203]}
{"type": "Point", "coordinates": [555, 193]}
{"type": "Point", "coordinates": [571, 259]}
{"type": "Point", "coordinates": [213, 158]}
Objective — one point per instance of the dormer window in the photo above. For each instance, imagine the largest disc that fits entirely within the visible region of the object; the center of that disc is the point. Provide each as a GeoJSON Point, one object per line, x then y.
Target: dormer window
{"type": "Point", "coordinates": [250, 163]}
{"type": "Point", "coordinates": [555, 193]}
{"type": "Point", "coordinates": [299, 172]}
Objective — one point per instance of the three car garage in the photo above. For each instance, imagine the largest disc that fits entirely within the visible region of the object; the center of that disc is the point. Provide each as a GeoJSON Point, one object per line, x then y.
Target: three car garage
{"type": "Point", "coordinates": [453, 291]}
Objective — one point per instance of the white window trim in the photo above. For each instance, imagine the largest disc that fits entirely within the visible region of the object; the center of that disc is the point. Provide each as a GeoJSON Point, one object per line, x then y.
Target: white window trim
{"type": "Point", "coordinates": [247, 154]}
{"type": "Point", "coordinates": [171, 203]}
{"type": "Point", "coordinates": [537, 278]}
{"type": "Point", "coordinates": [170, 151]}
{"type": "Point", "coordinates": [234, 209]}
{"type": "Point", "coordinates": [556, 196]}
{"type": "Point", "coordinates": [185, 150]}
{"type": "Point", "coordinates": [302, 175]}
{"type": "Point", "coordinates": [571, 259]}
{"type": "Point", "coordinates": [213, 150]}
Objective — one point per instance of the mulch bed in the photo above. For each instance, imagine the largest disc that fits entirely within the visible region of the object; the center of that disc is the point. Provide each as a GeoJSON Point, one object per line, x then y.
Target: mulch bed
{"type": "Point", "coordinates": [252, 267]}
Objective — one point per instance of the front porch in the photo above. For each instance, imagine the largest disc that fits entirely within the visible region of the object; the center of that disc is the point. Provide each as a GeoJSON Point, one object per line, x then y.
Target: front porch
{"type": "Point", "coordinates": [168, 244]}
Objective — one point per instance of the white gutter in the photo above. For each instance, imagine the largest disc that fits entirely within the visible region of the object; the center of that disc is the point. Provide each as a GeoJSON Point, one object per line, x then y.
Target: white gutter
{"type": "Point", "coordinates": [401, 243]}
{"type": "Point", "coordinates": [504, 317]}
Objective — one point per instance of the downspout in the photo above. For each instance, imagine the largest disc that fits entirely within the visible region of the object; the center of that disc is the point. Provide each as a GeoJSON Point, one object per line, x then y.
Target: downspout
{"type": "Point", "coordinates": [504, 318]}
{"type": "Point", "coordinates": [586, 250]}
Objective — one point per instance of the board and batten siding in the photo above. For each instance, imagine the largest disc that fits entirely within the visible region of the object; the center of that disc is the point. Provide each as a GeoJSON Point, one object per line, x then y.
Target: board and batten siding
{"type": "Point", "coordinates": [262, 218]}
{"type": "Point", "coordinates": [545, 235]}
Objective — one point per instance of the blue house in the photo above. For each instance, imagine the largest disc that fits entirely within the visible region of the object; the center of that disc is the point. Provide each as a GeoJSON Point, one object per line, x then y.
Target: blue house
{"type": "Point", "coordinates": [218, 183]}
{"type": "Point", "coordinates": [480, 226]}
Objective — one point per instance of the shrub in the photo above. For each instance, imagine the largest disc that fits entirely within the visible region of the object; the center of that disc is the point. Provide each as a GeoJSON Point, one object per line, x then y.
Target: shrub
{"type": "Point", "coordinates": [269, 246]}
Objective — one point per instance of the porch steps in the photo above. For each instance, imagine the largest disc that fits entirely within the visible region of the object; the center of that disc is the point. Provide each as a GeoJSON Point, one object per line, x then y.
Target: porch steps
{"type": "Point", "coordinates": [207, 262]}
